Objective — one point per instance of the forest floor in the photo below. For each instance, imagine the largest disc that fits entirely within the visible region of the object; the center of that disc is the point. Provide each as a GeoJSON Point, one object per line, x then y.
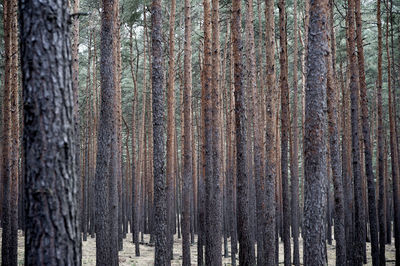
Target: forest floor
{"type": "Point", "coordinates": [127, 256]}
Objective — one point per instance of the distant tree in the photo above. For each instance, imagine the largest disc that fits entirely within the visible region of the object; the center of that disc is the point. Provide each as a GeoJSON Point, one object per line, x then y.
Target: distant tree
{"type": "Point", "coordinates": [52, 233]}
{"type": "Point", "coordinates": [314, 139]}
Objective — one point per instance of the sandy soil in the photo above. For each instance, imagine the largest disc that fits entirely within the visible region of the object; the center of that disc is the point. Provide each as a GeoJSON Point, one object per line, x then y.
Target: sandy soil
{"type": "Point", "coordinates": [127, 256]}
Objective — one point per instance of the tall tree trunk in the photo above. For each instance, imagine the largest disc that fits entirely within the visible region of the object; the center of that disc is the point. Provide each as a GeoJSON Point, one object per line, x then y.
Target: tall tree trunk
{"type": "Point", "coordinates": [171, 130]}
{"type": "Point", "coordinates": [294, 162]}
{"type": "Point", "coordinates": [270, 137]}
{"type": "Point", "coordinates": [367, 141]}
{"type": "Point", "coordinates": [393, 145]}
{"type": "Point", "coordinates": [160, 197]}
{"type": "Point", "coordinates": [315, 142]}
{"type": "Point", "coordinates": [106, 175]}
{"type": "Point", "coordinates": [336, 163]}
{"type": "Point", "coordinates": [256, 130]}
{"type": "Point", "coordinates": [381, 133]}
{"type": "Point", "coordinates": [187, 145]}
{"type": "Point", "coordinates": [285, 120]}
{"type": "Point", "coordinates": [52, 235]}
{"type": "Point", "coordinates": [359, 234]}
{"type": "Point", "coordinates": [246, 250]}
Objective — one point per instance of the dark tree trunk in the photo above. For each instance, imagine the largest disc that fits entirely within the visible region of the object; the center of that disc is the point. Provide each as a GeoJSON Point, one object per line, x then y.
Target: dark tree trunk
{"type": "Point", "coordinates": [187, 138]}
{"type": "Point", "coordinates": [367, 141]}
{"type": "Point", "coordinates": [106, 174]}
{"type": "Point", "coordinates": [246, 249]}
{"type": "Point", "coordinates": [160, 197]}
{"type": "Point", "coordinates": [336, 163]}
{"type": "Point", "coordinates": [381, 168]}
{"type": "Point", "coordinates": [52, 230]}
{"type": "Point", "coordinates": [285, 120]}
{"type": "Point", "coordinates": [270, 138]}
{"type": "Point", "coordinates": [315, 142]}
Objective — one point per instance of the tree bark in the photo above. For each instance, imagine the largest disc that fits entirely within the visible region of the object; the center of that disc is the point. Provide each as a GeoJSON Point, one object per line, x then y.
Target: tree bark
{"type": "Point", "coordinates": [246, 249]}
{"type": "Point", "coordinates": [315, 142]}
{"type": "Point", "coordinates": [52, 228]}
{"type": "Point", "coordinates": [160, 197]}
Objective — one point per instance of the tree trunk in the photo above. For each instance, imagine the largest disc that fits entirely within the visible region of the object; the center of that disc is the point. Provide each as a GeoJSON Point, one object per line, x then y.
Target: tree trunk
{"type": "Point", "coordinates": [160, 197]}
{"type": "Point", "coordinates": [336, 163]}
{"type": "Point", "coordinates": [315, 142]}
{"type": "Point", "coordinates": [52, 235]}
{"type": "Point", "coordinates": [381, 133]}
{"type": "Point", "coordinates": [367, 141]}
{"type": "Point", "coordinates": [294, 162]}
{"type": "Point", "coordinates": [359, 234]}
{"type": "Point", "coordinates": [246, 249]}
{"type": "Point", "coordinates": [187, 145]}
{"type": "Point", "coordinates": [270, 138]}
{"type": "Point", "coordinates": [285, 120]}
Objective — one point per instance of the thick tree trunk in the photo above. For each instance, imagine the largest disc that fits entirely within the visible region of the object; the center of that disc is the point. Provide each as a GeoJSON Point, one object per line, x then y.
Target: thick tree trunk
{"type": "Point", "coordinates": [246, 249]}
{"type": "Point", "coordinates": [106, 175]}
{"type": "Point", "coordinates": [315, 142]}
{"type": "Point", "coordinates": [52, 235]}
{"type": "Point", "coordinates": [160, 197]}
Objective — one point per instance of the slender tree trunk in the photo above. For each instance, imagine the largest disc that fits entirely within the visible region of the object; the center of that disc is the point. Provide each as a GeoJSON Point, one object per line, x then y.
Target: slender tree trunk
{"type": "Point", "coordinates": [285, 120]}
{"type": "Point", "coordinates": [382, 191]}
{"type": "Point", "coordinates": [171, 130]}
{"type": "Point", "coordinates": [187, 145]}
{"type": "Point", "coordinates": [359, 234]}
{"type": "Point", "coordinates": [315, 142]}
{"type": "Point", "coordinates": [270, 138]}
{"type": "Point", "coordinates": [367, 141]}
{"type": "Point", "coordinates": [246, 250]}
{"type": "Point", "coordinates": [336, 163]}
{"type": "Point", "coordinates": [52, 235]}
{"type": "Point", "coordinates": [294, 162]}
{"type": "Point", "coordinates": [393, 147]}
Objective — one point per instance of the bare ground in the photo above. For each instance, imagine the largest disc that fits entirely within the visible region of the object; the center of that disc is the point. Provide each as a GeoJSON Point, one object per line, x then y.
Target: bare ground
{"type": "Point", "coordinates": [127, 256]}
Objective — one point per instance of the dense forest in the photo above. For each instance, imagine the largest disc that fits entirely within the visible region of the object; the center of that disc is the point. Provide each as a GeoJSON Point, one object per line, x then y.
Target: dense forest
{"type": "Point", "coordinates": [208, 132]}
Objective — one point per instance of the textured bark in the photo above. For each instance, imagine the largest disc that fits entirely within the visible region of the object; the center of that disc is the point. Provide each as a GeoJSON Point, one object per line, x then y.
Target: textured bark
{"type": "Point", "coordinates": [393, 145]}
{"type": "Point", "coordinates": [256, 129]}
{"type": "Point", "coordinates": [381, 132]}
{"type": "Point", "coordinates": [359, 210]}
{"type": "Point", "coordinates": [367, 141]}
{"type": "Point", "coordinates": [285, 120]}
{"type": "Point", "coordinates": [270, 137]}
{"type": "Point", "coordinates": [336, 163]}
{"type": "Point", "coordinates": [294, 149]}
{"type": "Point", "coordinates": [7, 250]}
{"type": "Point", "coordinates": [160, 197]}
{"type": "Point", "coordinates": [246, 249]}
{"type": "Point", "coordinates": [187, 138]}
{"type": "Point", "coordinates": [315, 130]}
{"type": "Point", "coordinates": [171, 129]}
{"type": "Point", "coordinates": [106, 175]}
{"type": "Point", "coordinates": [52, 233]}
